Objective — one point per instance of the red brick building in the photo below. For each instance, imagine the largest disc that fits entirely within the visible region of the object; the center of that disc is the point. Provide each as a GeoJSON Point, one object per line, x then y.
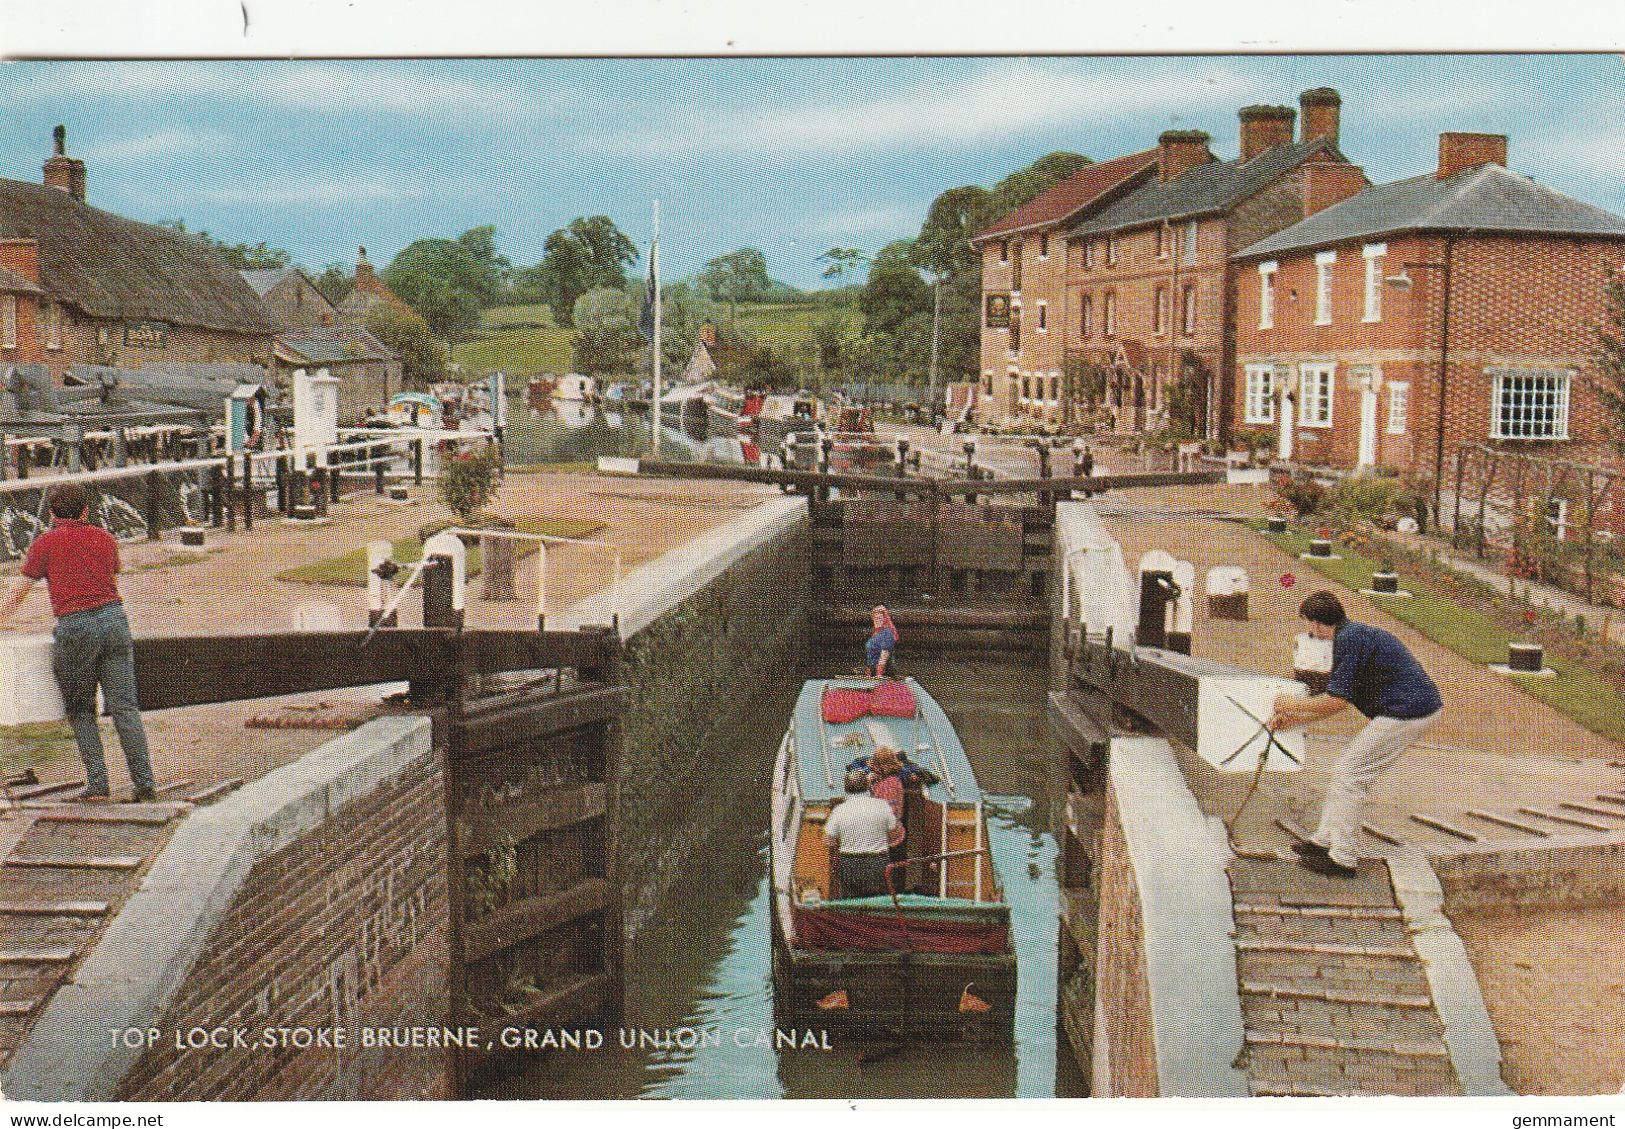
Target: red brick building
{"type": "Point", "coordinates": [1149, 276]}
{"type": "Point", "coordinates": [116, 292]}
{"type": "Point", "coordinates": [1459, 306]}
{"type": "Point", "coordinates": [1024, 289]}
{"type": "Point", "coordinates": [20, 295]}
{"type": "Point", "coordinates": [368, 293]}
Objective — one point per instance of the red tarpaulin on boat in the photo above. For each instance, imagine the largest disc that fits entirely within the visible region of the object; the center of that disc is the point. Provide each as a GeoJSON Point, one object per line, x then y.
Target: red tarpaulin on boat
{"type": "Point", "coordinates": [889, 699]}
{"type": "Point", "coordinates": [835, 929]}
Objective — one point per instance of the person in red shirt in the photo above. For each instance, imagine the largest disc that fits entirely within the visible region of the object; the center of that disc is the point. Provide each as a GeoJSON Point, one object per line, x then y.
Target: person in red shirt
{"type": "Point", "coordinates": [886, 782]}
{"type": "Point", "coordinates": [91, 646]}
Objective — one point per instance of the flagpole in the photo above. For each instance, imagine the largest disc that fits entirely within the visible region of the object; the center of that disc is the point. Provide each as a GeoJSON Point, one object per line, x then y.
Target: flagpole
{"type": "Point", "coordinates": [654, 273]}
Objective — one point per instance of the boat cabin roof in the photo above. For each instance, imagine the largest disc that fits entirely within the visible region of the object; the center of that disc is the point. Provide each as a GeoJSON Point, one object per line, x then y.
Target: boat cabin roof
{"type": "Point", "coordinates": [823, 749]}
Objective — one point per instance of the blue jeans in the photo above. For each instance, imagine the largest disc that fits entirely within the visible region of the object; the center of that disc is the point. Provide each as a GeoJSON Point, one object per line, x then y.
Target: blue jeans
{"type": "Point", "coordinates": [94, 647]}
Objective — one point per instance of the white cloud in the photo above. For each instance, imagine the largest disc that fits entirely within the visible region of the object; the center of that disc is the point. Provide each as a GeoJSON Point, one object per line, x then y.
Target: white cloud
{"type": "Point", "coordinates": [312, 192]}
{"type": "Point", "coordinates": [863, 221]}
{"type": "Point", "coordinates": [157, 143]}
{"type": "Point", "coordinates": [1002, 100]}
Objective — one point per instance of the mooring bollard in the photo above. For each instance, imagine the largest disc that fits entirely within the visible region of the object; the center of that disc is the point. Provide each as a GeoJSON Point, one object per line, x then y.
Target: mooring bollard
{"type": "Point", "coordinates": [1227, 593]}
{"type": "Point", "coordinates": [1320, 547]}
{"type": "Point", "coordinates": [497, 568]}
{"type": "Point", "coordinates": [1529, 658]}
{"type": "Point", "coordinates": [1312, 662]}
{"type": "Point", "coordinates": [1385, 582]}
{"type": "Point", "coordinates": [192, 537]}
{"type": "Point", "coordinates": [1275, 523]}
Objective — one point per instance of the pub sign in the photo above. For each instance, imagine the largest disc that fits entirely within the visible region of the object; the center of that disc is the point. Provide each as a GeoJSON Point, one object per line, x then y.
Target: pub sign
{"type": "Point", "coordinates": [998, 311]}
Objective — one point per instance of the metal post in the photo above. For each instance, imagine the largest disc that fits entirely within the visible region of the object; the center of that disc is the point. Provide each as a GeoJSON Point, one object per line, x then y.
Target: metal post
{"type": "Point", "coordinates": [378, 474]}
{"type": "Point", "coordinates": [281, 470]}
{"type": "Point", "coordinates": [541, 586]}
{"type": "Point", "coordinates": [377, 615]}
{"type": "Point", "coordinates": [417, 461]}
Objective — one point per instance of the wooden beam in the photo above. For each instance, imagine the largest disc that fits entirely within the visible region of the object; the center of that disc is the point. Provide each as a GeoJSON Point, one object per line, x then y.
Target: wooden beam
{"type": "Point", "coordinates": [803, 479]}
{"type": "Point", "coordinates": [192, 670]}
{"type": "Point", "coordinates": [484, 828]}
{"type": "Point", "coordinates": [1005, 619]}
{"type": "Point", "coordinates": [1093, 485]}
{"type": "Point", "coordinates": [536, 720]}
{"type": "Point", "coordinates": [1159, 686]}
{"type": "Point", "coordinates": [529, 917]}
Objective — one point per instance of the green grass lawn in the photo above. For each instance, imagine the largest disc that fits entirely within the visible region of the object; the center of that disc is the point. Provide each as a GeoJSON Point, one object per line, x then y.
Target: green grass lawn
{"type": "Point", "coordinates": [1576, 692]}
{"type": "Point", "coordinates": [519, 340]}
{"type": "Point", "coordinates": [787, 326]}
{"type": "Point", "coordinates": [350, 569]}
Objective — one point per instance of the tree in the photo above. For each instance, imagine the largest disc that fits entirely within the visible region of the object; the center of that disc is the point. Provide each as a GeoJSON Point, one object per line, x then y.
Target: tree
{"type": "Point", "coordinates": [449, 281]}
{"type": "Point", "coordinates": [489, 277]}
{"type": "Point", "coordinates": [451, 311]}
{"type": "Point", "coordinates": [839, 262]}
{"type": "Point", "coordinates": [238, 256]}
{"type": "Point", "coordinates": [1039, 177]}
{"type": "Point", "coordinates": [683, 310]}
{"type": "Point", "coordinates": [606, 330]}
{"type": "Point", "coordinates": [335, 282]}
{"type": "Point", "coordinates": [423, 358]}
{"type": "Point", "coordinates": [590, 254]}
{"type": "Point", "coordinates": [739, 276]}
{"type": "Point", "coordinates": [1609, 353]}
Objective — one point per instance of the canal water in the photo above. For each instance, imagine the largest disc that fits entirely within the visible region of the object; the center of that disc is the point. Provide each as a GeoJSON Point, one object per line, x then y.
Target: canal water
{"type": "Point", "coordinates": [701, 968]}
{"type": "Point", "coordinates": [570, 432]}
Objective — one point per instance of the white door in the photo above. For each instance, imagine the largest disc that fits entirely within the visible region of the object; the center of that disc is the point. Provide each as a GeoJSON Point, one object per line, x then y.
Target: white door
{"type": "Point", "coordinates": [1368, 424]}
{"type": "Point", "coordinates": [1288, 418]}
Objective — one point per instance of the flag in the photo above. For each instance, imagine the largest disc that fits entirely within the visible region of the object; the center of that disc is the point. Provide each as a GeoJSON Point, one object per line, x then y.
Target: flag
{"type": "Point", "coordinates": [651, 294]}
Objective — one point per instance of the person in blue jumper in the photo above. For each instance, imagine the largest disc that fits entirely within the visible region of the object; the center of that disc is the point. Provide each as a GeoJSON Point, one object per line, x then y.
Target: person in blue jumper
{"type": "Point", "coordinates": [1376, 674]}
{"type": "Point", "coordinates": [882, 642]}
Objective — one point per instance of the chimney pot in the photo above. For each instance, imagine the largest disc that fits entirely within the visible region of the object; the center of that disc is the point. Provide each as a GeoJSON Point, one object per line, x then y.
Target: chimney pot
{"type": "Point", "coordinates": [1265, 127]}
{"type": "Point", "coordinates": [62, 172]}
{"type": "Point", "coordinates": [1322, 113]}
{"type": "Point", "coordinates": [1461, 151]}
{"type": "Point", "coordinates": [1181, 150]}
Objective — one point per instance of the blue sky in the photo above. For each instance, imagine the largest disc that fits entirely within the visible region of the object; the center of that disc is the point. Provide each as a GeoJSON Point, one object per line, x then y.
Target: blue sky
{"type": "Point", "coordinates": [789, 155]}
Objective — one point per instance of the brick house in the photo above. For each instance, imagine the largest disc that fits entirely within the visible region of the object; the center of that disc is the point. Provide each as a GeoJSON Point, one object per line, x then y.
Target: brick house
{"type": "Point", "coordinates": [1148, 276]}
{"type": "Point", "coordinates": [368, 293]}
{"type": "Point", "coordinates": [1470, 286]}
{"type": "Point", "coordinates": [312, 334]}
{"type": "Point", "coordinates": [1024, 289]}
{"type": "Point", "coordinates": [20, 295]}
{"type": "Point", "coordinates": [116, 292]}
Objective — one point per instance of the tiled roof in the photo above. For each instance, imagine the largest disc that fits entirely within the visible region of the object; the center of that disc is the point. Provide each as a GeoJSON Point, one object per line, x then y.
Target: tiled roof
{"type": "Point", "coordinates": [334, 344]}
{"type": "Point", "coordinates": [1064, 199]}
{"type": "Point", "coordinates": [1488, 198]}
{"type": "Point", "coordinates": [112, 267]}
{"type": "Point", "coordinates": [1202, 190]}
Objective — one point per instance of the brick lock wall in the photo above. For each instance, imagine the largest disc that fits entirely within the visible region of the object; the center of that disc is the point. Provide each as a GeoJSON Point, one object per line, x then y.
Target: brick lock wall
{"type": "Point", "coordinates": [1516, 303]}
{"type": "Point", "coordinates": [1123, 988]}
{"type": "Point", "coordinates": [344, 928]}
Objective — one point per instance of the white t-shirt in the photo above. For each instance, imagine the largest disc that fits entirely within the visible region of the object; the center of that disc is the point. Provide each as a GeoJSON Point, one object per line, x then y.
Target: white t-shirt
{"type": "Point", "coordinates": [860, 825]}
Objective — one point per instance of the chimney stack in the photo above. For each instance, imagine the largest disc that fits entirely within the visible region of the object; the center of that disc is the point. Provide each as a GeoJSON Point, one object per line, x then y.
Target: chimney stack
{"type": "Point", "coordinates": [1461, 151]}
{"type": "Point", "coordinates": [1329, 182]}
{"type": "Point", "coordinates": [1181, 150]}
{"type": "Point", "coordinates": [62, 172]}
{"type": "Point", "coordinates": [1322, 114]}
{"type": "Point", "coordinates": [1265, 127]}
{"type": "Point", "coordinates": [363, 270]}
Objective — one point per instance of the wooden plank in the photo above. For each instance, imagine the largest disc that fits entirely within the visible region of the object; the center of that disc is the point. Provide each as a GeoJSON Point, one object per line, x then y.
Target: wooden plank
{"type": "Point", "coordinates": [55, 909]}
{"type": "Point", "coordinates": [847, 615]}
{"type": "Point", "coordinates": [1092, 485]}
{"type": "Point", "coordinates": [44, 954]}
{"type": "Point", "coordinates": [77, 862]}
{"type": "Point", "coordinates": [20, 1007]}
{"type": "Point", "coordinates": [1590, 810]}
{"type": "Point", "coordinates": [1610, 798]}
{"type": "Point", "coordinates": [174, 785]}
{"type": "Point", "coordinates": [1332, 995]}
{"type": "Point", "coordinates": [1447, 828]}
{"type": "Point", "coordinates": [1364, 913]}
{"type": "Point", "coordinates": [215, 791]}
{"type": "Point", "coordinates": [1382, 834]}
{"type": "Point", "coordinates": [36, 791]}
{"type": "Point", "coordinates": [803, 479]}
{"type": "Point", "coordinates": [575, 997]}
{"type": "Point", "coordinates": [1386, 952]}
{"type": "Point", "coordinates": [537, 719]}
{"type": "Point", "coordinates": [481, 829]}
{"type": "Point", "coordinates": [173, 671]}
{"type": "Point", "coordinates": [529, 917]}
{"type": "Point", "coordinates": [1571, 820]}
{"type": "Point", "coordinates": [1402, 1048]}
{"type": "Point", "coordinates": [1504, 821]}
{"type": "Point", "coordinates": [150, 815]}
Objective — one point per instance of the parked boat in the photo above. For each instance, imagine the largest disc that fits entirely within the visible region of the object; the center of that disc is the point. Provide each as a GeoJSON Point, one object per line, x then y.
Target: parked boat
{"type": "Point", "coordinates": [777, 415]}
{"type": "Point", "coordinates": [932, 959]}
{"type": "Point", "coordinates": [574, 386]}
{"type": "Point", "coordinates": [539, 393]}
{"type": "Point", "coordinates": [415, 409]}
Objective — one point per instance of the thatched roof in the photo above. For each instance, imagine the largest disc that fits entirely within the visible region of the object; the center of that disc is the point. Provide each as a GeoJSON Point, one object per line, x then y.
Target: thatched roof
{"type": "Point", "coordinates": [111, 267]}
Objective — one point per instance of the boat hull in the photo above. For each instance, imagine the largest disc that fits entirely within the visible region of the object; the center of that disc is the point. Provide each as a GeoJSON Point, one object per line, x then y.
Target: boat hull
{"type": "Point", "coordinates": [895, 995]}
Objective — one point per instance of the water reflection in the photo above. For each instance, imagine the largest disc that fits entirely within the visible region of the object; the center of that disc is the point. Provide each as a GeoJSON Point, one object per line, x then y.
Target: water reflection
{"type": "Point", "coordinates": [704, 964]}
{"type": "Point", "coordinates": [571, 431]}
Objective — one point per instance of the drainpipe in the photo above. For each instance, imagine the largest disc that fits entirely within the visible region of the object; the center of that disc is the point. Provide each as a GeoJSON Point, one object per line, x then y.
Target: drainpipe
{"type": "Point", "coordinates": [1444, 382]}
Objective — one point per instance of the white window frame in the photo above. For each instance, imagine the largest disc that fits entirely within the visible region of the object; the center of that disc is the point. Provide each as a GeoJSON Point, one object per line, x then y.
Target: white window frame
{"type": "Point", "coordinates": [1323, 287]}
{"type": "Point", "coordinates": [1004, 251]}
{"type": "Point", "coordinates": [1043, 245]}
{"type": "Point", "coordinates": [8, 321]}
{"type": "Point", "coordinates": [1399, 406]}
{"type": "Point", "coordinates": [1373, 253]}
{"type": "Point", "coordinates": [1563, 382]}
{"type": "Point", "coordinates": [1086, 310]}
{"type": "Point", "coordinates": [1111, 250]}
{"type": "Point", "coordinates": [1054, 387]}
{"type": "Point", "coordinates": [1043, 316]}
{"type": "Point", "coordinates": [1558, 522]}
{"type": "Point", "coordinates": [1164, 237]}
{"type": "Point", "coordinates": [1259, 407]}
{"type": "Point", "coordinates": [1088, 254]}
{"type": "Point", "coordinates": [1266, 294]}
{"type": "Point", "coordinates": [1190, 241]}
{"type": "Point", "coordinates": [1159, 311]}
{"type": "Point", "coordinates": [1108, 317]}
{"type": "Point", "coordinates": [1187, 310]}
{"type": "Point", "coordinates": [1311, 374]}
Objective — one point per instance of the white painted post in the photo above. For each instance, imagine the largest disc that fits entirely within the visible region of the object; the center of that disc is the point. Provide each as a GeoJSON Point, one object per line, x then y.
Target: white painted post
{"type": "Point", "coordinates": [377, 553]}
{"type": "Point", "coordinates": [541, 585]}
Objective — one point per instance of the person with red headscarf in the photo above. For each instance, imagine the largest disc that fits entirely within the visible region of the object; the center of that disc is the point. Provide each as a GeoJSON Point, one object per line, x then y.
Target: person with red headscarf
{"type": "Point", "coordinates": [882, 642]}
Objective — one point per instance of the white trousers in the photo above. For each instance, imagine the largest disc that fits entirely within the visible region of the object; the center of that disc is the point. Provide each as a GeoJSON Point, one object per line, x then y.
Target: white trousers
{"type": "Point", "coordinates": [1365, 758]}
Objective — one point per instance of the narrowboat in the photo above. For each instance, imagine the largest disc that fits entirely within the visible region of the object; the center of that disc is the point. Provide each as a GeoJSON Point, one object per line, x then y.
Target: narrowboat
{"type": "Point", "coordinates": [933, 957]}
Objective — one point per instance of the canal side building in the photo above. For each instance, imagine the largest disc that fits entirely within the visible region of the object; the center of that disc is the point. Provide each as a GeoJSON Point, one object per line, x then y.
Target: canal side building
{"type": "Point", "coordinates": [1455, 307]}
{"type": "Point", "coordinates": [1024, 289]}
{"type": "Point", "coordinates": [1149, 275]}
{"type": "Point", "coordinates": [113, 291]}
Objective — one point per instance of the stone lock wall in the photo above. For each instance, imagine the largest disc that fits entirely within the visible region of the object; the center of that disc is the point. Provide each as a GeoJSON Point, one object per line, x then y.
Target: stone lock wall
{"type": "Point", "coordinates": [1122, 988]}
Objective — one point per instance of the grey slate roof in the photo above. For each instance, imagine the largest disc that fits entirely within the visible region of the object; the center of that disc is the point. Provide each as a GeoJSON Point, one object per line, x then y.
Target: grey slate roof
{"type": "Point", "coordinates": [1203, 190]}
{"type": "Point", "coordinates": [1488, 198]}
{"type": "Point", "coordinates": [334, 344]}
{"type": "Point", "coordinates": [112, 267]}
{"type": "Point", "coordinates": [264, 281]}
